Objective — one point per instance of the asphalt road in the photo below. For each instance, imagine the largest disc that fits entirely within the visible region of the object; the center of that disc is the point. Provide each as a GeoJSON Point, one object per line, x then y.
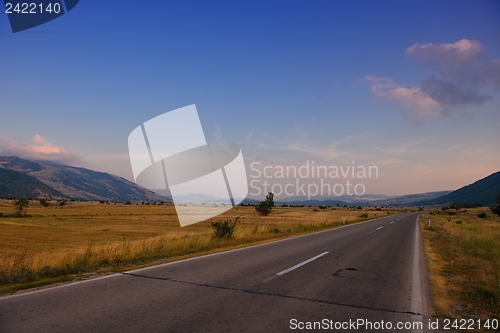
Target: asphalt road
{"type": "Point", "coordinates": [372, 271]}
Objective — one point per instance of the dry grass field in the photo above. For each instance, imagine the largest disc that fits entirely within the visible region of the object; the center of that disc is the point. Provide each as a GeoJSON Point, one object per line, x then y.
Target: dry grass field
{"type": "Point", "coordinates": [463, 258]}
{"type": "Point", "coordinates": [58, 243]}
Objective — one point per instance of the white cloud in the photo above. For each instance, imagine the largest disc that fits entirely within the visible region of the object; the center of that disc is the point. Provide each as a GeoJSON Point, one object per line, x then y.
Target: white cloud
{"type": "Point", "coordinates": [463, 52]}
{"type": "Point", "coordinates": [461, 72]}
{"type": "Point", "coordinates": [40, 149]}
{"type": "Point", "coordinates": [419, 103]}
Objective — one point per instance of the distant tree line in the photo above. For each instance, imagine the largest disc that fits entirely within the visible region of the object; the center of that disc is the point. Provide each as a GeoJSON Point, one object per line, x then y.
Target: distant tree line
{"type": "Point", "coordinates": [459, 205]}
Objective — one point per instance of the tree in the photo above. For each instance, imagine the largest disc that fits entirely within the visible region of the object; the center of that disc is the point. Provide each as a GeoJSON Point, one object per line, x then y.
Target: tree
{"type": "Point", "coordinates": [456, 205]}
{"type": "Point", "coordinates": [267, 205]}
{"type": "Point", "coordinates": [496, 208]}
{"type": "Point", "coordinates": [21, 207]}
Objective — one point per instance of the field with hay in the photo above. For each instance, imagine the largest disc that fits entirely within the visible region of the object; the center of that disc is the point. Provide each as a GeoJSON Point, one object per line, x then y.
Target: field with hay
{"type": "Point", "coordinates": [71, 240]}
{"type": "Point", "coordinates": [463, 259]}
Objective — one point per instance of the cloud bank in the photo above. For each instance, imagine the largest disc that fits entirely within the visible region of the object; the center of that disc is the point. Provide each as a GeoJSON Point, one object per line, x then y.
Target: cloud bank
{"type": "Point", "coordinates": [40, 149]}
{"type": "Point", "coordinates": [461, 74]}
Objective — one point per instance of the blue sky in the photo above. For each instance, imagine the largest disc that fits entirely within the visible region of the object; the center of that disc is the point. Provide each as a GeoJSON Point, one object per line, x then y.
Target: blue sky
{"type": "Point", "coordinates": [412, 87]}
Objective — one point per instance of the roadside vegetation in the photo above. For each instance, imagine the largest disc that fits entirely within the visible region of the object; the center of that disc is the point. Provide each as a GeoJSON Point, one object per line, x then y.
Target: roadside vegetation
{"type": "Point", "coordinates": [57, 242]}
{"type": "Point", "coordinates": [224, 229]}
{"type": "Point", "coordinates": [463, 258]}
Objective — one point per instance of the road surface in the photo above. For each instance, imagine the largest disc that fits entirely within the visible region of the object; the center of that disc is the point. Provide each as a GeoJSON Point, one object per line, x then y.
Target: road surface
{"type": "Point", "coordinates": [350, 277]}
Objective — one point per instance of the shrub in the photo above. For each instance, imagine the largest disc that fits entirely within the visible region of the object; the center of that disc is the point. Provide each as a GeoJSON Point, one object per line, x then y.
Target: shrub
{"type": "Point", "coordinates": [265, 207]}
{"type": "Point", "coordinates": [482, 215]}
{"type": "Point", "coordinates": [365, 215]}
{"type": "Point", "coordinates": [223, 229]}
{"type": "Point", "coordinates": [44, 202]}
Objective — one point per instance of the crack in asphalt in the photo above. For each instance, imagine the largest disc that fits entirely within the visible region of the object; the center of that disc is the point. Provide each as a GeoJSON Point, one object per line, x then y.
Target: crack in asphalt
{"type": "Point", "coordinates": [271, 294]}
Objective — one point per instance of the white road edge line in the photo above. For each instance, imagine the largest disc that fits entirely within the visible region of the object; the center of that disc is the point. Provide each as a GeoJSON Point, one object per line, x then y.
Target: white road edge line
{"type": "Point", "coordinates": [416, 298]}
{"type": "Point", "coordinates": [301, 264]}
{"type": "Point", "coordinates": [57, 286]}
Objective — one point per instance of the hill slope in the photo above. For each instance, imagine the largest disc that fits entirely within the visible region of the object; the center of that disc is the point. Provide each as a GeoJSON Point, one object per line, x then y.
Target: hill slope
{"type": "Point", "coordinates": [410, 199]}
{"type": "Point", "coordinates": [15, 184]}
{"type": "Point", "coordinates": [79, 183]}
{"type": "Point", "coordinates": [482, 192]}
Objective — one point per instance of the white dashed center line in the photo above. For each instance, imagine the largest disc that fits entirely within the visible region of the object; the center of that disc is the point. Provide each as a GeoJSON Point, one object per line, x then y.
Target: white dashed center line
{"type": "Point", "coordinates": [376, 229]}
{"type": "Point", "coordinates": [301, 264]}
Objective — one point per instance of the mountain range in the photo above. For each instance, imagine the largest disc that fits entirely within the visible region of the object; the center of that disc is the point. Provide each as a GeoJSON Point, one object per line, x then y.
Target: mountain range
{"type": "Point", "coordinates": [482, 192]}
{"type": "Point", "coordinates": [369, 200]}
{"type": "Point", "coordinates": [22, 178]}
